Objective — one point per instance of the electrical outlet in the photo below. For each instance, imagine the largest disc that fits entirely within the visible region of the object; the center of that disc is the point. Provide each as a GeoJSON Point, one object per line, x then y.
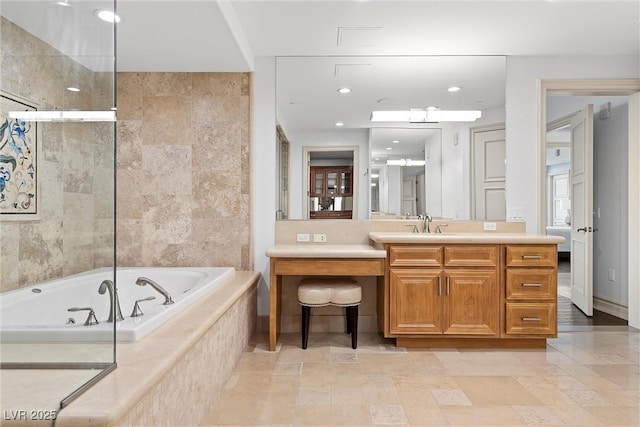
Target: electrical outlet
{"type": "Point", "coordinates": [490, 226]}
{"type": "Point", "coordinates": [612, 275]}
{"type": "Point", "coordinates": [319, 238]}
{"type": "Point", "coordinates": [302, 237]}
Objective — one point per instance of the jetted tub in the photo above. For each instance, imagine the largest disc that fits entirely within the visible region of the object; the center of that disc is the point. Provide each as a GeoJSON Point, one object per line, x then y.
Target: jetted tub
{"type": "Point", "coordinates": [39, 313]}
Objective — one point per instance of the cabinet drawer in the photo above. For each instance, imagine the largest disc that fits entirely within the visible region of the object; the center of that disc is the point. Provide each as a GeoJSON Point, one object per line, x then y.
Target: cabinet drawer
{"type": "Point", "coordinates": [471, 256]}
{"type": "Point", "coordinates": [531, 255]}
{"type": "Point", "coordinates": [415, 256]}
{"type": "Point", "coordinates": [531, 283]}
{"type": "Point", "coordinates": [531, 319]}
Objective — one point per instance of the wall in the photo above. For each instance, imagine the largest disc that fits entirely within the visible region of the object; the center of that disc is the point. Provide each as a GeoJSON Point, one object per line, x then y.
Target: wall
{"type": "Point", "coordinates": [522, 89]}
{"type": "Point", "coordinates": [183, 172]}
{"type": "Point", "coordinates": [75, 166]}
{"type": "Point", "coordinates": [359, 138]}
{"type": "Point", "coordinates": [523, 76]}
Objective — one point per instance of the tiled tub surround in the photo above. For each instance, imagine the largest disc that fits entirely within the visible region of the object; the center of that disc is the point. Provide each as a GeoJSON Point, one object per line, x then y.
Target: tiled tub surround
{"type": "Point", "coordinates": [75, 166]}
{"type": "Point", "coordinates": [173, 375]}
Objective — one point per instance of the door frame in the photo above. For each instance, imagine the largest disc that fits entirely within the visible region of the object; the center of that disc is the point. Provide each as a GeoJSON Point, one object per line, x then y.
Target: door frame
{"type": "Point", "coordinates": [600, 87]}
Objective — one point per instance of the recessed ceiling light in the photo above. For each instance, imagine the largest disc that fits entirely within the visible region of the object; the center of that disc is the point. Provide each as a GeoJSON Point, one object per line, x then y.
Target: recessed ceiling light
{"type": "Point", "coordinates": [454, 88]}
{"type": "Point", "coordinates": [339, 124]}
{"type": "Point", "coordinates": [64, 3]}
{"type": "Point", "coordinates": [395, 141]}
{"type": "Point", "coordinates": [73, 89]}
{"type": "Point", "coordinates": [344, 90]}
{"type": "Point", "coordinates": [107, 15]}
{"type": "Point", "coordinates": [389, 148]}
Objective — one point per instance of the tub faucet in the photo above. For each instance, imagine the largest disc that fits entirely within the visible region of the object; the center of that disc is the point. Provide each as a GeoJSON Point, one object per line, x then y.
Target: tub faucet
{"type": "Point", "coordinates": [107, 285]}
{"type": "Point", "coordinates": [145, 281]}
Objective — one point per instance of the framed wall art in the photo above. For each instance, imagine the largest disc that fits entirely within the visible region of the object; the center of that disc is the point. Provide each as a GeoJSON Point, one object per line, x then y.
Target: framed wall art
{"type": "Point", "coordinates": [19, 193]}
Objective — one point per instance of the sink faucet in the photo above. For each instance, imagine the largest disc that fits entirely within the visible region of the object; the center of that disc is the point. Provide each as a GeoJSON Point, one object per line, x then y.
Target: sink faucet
{"type": "Point", "coordinates": [107, 285]}
{"type": "Point", "coordinates": [145, 281]}
{"type": "Point", "coordinates": [427, 222]}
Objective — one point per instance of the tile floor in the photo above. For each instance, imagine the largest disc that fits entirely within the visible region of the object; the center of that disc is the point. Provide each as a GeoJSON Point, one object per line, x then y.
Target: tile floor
{"type": "Point", "coordinates": [582, 378]}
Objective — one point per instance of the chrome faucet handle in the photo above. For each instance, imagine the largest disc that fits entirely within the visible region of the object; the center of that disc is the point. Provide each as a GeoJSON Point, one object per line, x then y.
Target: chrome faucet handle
{"type": "Point", "coordinates": [137, 312]}
{"type": "Point", "coordinates": [438, 229]}
{"type": "Point", "coordinates": [415, 227]}
{"type": "Point", "coordinates": [91, 319]}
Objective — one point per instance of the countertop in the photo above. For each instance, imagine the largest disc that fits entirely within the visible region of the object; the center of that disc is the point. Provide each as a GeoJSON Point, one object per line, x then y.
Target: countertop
{"type": "Point", "coordinates": [325, 251]}
{"type": "Point", "coordinates": [469, 238]}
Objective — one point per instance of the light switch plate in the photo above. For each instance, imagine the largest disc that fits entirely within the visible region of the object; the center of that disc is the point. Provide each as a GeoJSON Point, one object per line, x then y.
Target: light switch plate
{"type": "Point", "coordinates": [490, 226]}
{"type": "Point", "coordinates": [302, 237]}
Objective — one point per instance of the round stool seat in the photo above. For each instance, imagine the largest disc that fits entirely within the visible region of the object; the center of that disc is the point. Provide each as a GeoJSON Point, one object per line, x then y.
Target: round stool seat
{"type": "Point", "coordinates": [321, 292]}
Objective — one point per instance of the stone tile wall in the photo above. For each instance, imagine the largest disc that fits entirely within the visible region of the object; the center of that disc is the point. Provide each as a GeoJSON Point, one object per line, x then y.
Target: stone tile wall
{"type": "Point", "coordinates": [183, 169]}
{"type": "Point", "coordinates": [75, 166]}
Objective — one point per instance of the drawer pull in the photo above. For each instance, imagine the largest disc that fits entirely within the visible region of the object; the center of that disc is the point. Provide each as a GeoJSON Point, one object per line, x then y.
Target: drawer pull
{"type": "Point", "coordinates": [531, 257]}
{"type": "Point", "coordinates": [532, 285]}
{"type": "Point", "coordinates": [531, 319]}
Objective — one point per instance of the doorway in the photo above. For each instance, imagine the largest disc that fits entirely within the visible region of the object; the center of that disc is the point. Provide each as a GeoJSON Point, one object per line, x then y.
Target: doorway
{"type": "Point", "coordinates": [628, 88]}
{"type": "Point", "coordinates": [331, 190]}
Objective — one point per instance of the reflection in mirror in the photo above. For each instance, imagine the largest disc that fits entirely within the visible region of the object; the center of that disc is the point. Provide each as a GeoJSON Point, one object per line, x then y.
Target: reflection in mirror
{"type": "Point", "coordinates": [405, 172]}
{"type": "Point", "coordinates": [312, 110]}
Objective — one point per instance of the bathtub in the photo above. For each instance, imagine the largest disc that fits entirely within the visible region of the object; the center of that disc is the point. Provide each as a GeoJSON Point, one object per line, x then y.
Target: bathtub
{"type": "Point", "coordinates": [39, 313]}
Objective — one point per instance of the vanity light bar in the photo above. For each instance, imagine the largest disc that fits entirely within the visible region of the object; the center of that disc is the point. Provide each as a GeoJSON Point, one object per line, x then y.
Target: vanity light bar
{"type": "Point", "coordinates": [406, 162]}
{"type": "Point", "coordinates": [64, 116]}
{"type": "Point", "coordinates": [426, 116]}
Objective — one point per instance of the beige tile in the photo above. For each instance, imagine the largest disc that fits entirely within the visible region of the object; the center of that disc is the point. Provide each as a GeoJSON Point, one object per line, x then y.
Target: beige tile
{"type": "Point", "coordinates": [314, 396]}
{"type": "Point", "coordinates": [482, 416]}
{"type": "Point", "coordinates": [331, 415]}
{"type": "Point", "coordinates": [451, 397]}
{"type": "Point", "coordinates": [587, 398]}
{"type": "Point", "coordinates": [538, 416]}
{"type": "Point", "coordinates": [388, 415]}
{"type": "Point", "coordinates": [495, 391]}
{"type": "Point", "coordinates": [364, 395]}
{"type": "Point", "coordinates": [624, 416]}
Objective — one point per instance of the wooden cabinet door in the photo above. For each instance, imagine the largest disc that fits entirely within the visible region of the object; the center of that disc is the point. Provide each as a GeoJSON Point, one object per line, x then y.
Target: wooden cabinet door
{"type": "Point", "coordinates": [471, 302]}
{"type": "Point", "coordinates": [415, 301]}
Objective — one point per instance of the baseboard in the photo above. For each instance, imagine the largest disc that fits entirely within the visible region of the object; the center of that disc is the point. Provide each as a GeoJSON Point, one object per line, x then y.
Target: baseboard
{"type": "Point", "coordinates": [611, 307]}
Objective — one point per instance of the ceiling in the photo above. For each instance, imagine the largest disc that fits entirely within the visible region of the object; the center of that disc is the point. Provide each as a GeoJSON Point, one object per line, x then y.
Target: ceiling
{"type": "Point", "coordinates": [344, 42]}
{"type": "Point", "coordinates": [225, 35]}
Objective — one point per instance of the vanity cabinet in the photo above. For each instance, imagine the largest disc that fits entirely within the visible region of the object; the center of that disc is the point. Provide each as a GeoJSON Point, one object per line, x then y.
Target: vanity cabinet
{"type": "Point", "coordinates": [531, 290]}
{"type": "Point", "coordinates": [470, 294]}
{"type": "Point", "coordinates": [444, 290]}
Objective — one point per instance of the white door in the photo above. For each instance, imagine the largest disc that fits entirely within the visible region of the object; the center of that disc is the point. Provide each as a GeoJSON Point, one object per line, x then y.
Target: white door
{"type": "Point", "coordinates": [409, 196]}
{"type": "Point", "coordinates": [582, 210]}
{"type": "Point", "coordinates": [489, 148]}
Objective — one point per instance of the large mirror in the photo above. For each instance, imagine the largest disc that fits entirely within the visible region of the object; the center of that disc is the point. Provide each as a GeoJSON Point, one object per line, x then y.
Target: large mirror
{"type": "Point", "coordinates": [313, 111]}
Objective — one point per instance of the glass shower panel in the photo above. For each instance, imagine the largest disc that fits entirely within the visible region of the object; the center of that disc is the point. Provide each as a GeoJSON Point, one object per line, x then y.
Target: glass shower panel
{"type": "Point", "coordinates": [57, 192]}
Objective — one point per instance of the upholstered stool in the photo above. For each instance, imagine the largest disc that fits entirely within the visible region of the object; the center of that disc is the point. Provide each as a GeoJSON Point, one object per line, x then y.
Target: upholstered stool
{"type": "Point", "coordinates": [339, 291]}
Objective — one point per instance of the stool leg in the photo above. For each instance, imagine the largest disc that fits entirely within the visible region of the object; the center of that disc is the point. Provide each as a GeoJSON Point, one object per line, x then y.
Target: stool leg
{"type": "Point", "coordinates": [306, 315]}
{"type": "Point", "coordinates": [353, 321]}
{"type": "Point", "coordinates": [347, 316]}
